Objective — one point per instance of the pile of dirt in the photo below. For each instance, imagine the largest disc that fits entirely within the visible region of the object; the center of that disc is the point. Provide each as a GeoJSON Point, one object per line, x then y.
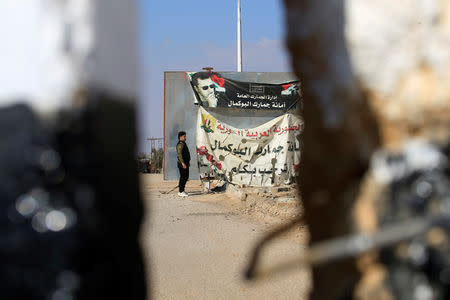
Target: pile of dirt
{"type": "Point", "coordinates": [281, 202]}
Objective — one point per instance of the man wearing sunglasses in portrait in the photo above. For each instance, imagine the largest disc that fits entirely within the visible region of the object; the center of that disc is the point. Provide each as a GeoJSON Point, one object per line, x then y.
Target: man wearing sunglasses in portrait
{"type": "Point", "coordinates": [205, 88]}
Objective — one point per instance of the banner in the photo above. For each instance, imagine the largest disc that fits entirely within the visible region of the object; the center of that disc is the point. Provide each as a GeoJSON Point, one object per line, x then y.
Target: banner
{"type": "Point", "coordinates": [263, 156]}
{"type": "Point", "coordinates": [212, 90]}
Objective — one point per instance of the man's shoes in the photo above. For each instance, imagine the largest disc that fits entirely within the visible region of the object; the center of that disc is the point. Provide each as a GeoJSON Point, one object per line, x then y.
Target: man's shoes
{"type": "Point", "coordinates": [183, 194]}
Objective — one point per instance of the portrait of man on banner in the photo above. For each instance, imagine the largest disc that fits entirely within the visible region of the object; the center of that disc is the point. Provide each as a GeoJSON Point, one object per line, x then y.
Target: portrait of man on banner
{"type": "Point", "coordinates": [207, 85]}
{"type": "Point", "coordinates": [211, 90]}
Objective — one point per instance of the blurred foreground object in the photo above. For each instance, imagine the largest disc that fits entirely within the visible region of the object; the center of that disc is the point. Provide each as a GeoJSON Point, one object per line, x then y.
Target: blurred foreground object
{"type": "Point", "coordinates": [70, 203]}
{"type": "Point", "coordinates": [375, 75]}
{"type": "Point", "coordinates": [54, 49]}
{"type": "Point", "coordinates": [70, 217]}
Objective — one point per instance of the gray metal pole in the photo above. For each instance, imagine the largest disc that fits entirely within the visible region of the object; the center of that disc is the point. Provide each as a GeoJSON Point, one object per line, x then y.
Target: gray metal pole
{"type": "Point", "coordinates": [239, 37]}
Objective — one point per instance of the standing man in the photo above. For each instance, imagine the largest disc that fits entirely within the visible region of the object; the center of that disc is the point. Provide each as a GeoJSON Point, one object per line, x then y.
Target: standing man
{"type": "Point", "coordinates": [184, 157]}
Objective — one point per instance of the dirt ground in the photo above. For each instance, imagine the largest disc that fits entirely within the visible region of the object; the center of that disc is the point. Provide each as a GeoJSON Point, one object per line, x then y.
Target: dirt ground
{"type": "Point", "coordinates": [197, 247]}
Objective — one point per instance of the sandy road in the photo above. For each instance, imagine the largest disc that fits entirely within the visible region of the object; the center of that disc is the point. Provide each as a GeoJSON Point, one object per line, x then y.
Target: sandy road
{"type": "Point", "coordinates": [197, 249]}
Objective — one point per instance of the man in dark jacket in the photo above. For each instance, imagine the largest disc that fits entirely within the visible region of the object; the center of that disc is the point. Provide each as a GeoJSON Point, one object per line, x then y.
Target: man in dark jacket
{"type": "Point", "coordinates": [184, 157]}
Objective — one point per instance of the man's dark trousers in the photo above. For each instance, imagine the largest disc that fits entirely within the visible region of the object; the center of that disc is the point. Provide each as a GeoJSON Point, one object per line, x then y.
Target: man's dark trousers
{"type": "Point", "coordinates": [184, 175]}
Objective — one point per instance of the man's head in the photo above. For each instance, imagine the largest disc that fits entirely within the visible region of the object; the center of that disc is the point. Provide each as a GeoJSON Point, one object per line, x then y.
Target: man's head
{"type": "Point", "coordinates": [205, 88]}
{"type": "Point", "coordinates": [182, 136]}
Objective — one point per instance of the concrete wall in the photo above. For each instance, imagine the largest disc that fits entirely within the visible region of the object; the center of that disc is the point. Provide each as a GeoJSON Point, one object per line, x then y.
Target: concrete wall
{"type": "Point", "coordinates": [180, 113]}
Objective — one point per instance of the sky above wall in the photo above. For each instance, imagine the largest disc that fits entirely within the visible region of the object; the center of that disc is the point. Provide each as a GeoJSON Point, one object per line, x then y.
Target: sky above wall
{"type": "Point", "coordinates": [180, 35]}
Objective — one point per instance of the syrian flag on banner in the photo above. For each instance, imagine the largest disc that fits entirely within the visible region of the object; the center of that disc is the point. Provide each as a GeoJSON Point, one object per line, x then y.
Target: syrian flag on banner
{"type": "Point", "coordinates": [289, 89]}
{"type": "Point", "coordinates": [219, 82]}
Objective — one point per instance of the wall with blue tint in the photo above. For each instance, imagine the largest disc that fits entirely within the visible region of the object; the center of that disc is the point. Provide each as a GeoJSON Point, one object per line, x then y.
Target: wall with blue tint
{"type": "Point", "coordinates": [180, 113]}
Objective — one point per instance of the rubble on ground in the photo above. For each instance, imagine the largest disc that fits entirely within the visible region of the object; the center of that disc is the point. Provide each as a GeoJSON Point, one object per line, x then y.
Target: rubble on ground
{"type": "Point", "coordinates": [282, 202]}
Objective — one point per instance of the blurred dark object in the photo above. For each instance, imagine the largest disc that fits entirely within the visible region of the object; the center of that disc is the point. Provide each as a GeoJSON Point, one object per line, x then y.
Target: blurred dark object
{"type": "Point", "coordinates": [70, 202]}
{"type": "Point", "coordinates": [339, 137]}
{"type": "Point", "coordinates": [419, 185]}
{"type": "Point", "coordinates": [371, 87]}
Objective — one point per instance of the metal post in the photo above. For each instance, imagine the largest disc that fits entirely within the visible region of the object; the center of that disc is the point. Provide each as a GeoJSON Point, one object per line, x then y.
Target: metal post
{"type": "Point", "coordinates": [239, 37]}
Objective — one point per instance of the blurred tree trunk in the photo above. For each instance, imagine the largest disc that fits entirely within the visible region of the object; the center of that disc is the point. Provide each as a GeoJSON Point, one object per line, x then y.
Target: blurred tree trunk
{"type": "Point", "coordinates": [340, 133]}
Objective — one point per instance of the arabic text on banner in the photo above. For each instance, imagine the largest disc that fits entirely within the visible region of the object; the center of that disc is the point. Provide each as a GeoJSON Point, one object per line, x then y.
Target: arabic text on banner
{"type": "Point", "coordinates": [212, 90]}
{"type": "Point", "coordinates": [263, 156]}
